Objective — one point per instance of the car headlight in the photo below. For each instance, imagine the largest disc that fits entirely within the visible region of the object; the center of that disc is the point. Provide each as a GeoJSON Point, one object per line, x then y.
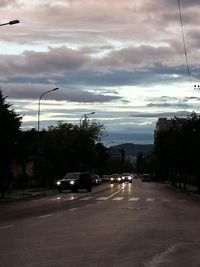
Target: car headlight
{"type": "Point", "coordinates": [111, 179]}
{"type": "Point", "coordinates": [72, 182]}
{"type": "Point", "coordinates": [129, 178]}
{"type": "Point", "coordinates": [58, 182]}
{"type": "Point", "coordinates": [119, 179]}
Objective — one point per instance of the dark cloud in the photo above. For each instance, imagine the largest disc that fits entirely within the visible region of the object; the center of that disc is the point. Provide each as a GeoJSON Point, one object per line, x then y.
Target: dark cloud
{"type": "Point", "coordinates": [33, 91]}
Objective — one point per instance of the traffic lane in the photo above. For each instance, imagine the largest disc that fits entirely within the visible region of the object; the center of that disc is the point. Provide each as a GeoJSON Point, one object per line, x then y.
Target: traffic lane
{"type": "Point", "coordinates": [12, 212]}
{"type": "Point", "coordinates": [108, 233]}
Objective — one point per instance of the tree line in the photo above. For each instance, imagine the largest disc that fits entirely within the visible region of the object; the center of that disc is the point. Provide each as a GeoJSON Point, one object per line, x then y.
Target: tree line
{"type": "Point", "coordinates": [177, 153]}
{"type": "Point", "coordinates": [69, 147]}
{"type": "Point", "coordinates": [62, 148]}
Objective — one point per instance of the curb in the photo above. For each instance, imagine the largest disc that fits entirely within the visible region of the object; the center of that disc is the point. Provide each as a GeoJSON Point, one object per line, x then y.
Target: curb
{"type": "Point", "coordinates": [19, 196]}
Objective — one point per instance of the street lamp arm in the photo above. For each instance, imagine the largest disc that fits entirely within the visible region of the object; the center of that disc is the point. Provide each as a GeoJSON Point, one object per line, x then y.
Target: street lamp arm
{"type": "Point", "coordinates": [10, 22]}
{"type": "Point", "coordinates": [85, 115]}
{"type": "Point", "coordinates": [39, 105]}
{"type": "Point", "coordinates": [47, 92]}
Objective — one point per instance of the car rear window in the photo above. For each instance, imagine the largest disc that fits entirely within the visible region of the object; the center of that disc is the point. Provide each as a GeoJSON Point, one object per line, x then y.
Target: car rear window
{"type": "Point", "coordinates": [71, 176]}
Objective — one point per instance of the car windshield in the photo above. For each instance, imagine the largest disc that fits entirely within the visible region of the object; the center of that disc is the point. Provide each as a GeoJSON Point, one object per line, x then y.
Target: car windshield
{"type": "Point", "coordinates": [115, 176]}
{"type": "Point", "coordinates": [71, 176]}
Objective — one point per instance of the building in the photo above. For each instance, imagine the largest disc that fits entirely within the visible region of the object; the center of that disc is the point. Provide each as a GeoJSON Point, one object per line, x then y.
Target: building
{"type": "Point", "coordinates": [165, 124]}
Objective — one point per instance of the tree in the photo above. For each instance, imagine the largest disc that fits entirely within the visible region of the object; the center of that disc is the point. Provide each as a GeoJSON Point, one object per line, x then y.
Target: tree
{"type": "Point", "coordinates": [10, 127]}
{"type": "Point", "coordinates": [68, 147]}
{"type": "Point", "coordinates": [177, 151]}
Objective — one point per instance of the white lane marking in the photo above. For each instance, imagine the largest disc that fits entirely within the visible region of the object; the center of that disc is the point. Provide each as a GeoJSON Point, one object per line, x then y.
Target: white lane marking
{"type": "Point", "coordinates": [134, 199]}
{"type": "Point", "coordinates": [164, 256]}
{"type": "Point", "coordinates": [70, 198]}
{"type": "Point", "coordinates": [38, 199]}
{"type": "Point", "coordinates": [86, 198]}
{"type": "Point", "coordinates": [6, 226]}
{"type": "Point", "coordinates": [101, 198]}
{"type": "Point", "coordinates": [150, 199]}
{"type": "Point", "coordinates": [73, 209]}
{"type": "Point", "coordinates": [45, 216]}
{"type": "Point", "coordinates": [118, 198]}
{"type": "Point", "coordinates": [124, 185]}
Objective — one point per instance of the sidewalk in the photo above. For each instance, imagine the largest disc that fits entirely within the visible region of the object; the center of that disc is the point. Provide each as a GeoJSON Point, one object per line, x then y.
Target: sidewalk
{"type": "Point", "coordinates": [190, 190]}
{"type": "Point", "coordinates": [22, 194]}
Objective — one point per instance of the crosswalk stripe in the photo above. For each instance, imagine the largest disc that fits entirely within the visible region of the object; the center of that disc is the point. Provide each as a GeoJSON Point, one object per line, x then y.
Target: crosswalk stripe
{"type": "Point", "coordinates": [101, 198]}
{"type": "Point", "coordinates": [117, 198]}
{"type": "Point", "coordinates": [134, 199]}
{"type": "Point", "coordinates": [86, 198]}
{"type": "Point", "coordinates": [150, 199]}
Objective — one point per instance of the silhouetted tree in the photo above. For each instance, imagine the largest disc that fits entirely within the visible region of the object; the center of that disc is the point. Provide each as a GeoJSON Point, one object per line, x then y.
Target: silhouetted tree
{"type": "Point", "coordinates": [10, 127]}
{"type": "Point", "coordinates": [177, 151]}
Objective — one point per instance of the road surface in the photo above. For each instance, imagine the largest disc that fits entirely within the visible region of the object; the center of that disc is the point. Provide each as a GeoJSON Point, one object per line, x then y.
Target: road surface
{"type": "Point", "coordinates": [119, 225]}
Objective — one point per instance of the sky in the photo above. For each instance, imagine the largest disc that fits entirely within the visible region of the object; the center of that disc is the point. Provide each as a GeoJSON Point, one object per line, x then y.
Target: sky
{"type": "Point", "coordinates": [124, 60]}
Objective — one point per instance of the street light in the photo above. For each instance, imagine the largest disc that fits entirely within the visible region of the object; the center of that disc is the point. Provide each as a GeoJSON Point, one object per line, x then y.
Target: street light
{"type": "Point", "coordinates": [16, 21]}
{"type": "Point", "coordinates": [38, 131]}
{"type": "Point", "coordinates": [85, 115]}
{"type": "Point", "coordinates": [39, 105]}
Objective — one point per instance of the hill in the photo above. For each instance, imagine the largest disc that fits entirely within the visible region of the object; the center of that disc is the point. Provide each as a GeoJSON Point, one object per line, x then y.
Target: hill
{"type": "Point", "coordinates": [133, 149]}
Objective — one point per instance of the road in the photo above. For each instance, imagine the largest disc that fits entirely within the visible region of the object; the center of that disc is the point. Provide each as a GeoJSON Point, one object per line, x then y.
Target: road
{"type": "Point", "coordinates": [136, 225]}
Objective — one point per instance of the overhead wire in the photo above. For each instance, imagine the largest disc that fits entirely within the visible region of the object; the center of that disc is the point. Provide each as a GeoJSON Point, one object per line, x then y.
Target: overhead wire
{"type": "Point", "coordinates": [184, 44]}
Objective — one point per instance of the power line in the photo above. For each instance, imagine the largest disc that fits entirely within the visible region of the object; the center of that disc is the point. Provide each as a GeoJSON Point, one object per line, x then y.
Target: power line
{"type": "Point", "coordinates": [184, 44]}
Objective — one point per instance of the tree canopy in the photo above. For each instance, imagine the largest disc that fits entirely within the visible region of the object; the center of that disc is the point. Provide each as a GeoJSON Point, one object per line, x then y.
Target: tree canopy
{"type": "Point", "coordinates": [10, 127]}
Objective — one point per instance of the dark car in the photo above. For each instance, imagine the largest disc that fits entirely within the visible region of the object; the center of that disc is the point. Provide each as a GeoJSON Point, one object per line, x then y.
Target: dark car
{"type": "Point", "coordinates": [75, 181]}
{"type": "Point", "coordinates": [105, 178]}
{"type": "Point", "coordinates": [127, 177]}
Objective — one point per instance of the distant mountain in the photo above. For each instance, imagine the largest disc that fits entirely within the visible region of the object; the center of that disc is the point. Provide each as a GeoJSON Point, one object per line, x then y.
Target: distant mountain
{"type": "Point", "coordinates": [133, 149]}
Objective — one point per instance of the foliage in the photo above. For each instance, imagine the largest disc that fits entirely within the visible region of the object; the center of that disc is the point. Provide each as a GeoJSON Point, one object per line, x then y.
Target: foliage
{"type": "Point", "coordinates": [177, 150]}
{"type": "Point", "coordinates": [10, 127]}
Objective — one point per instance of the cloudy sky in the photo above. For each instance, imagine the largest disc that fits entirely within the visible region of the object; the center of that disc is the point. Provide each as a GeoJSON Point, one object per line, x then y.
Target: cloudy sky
{"type": "Point", "coordinates": [122, 59]}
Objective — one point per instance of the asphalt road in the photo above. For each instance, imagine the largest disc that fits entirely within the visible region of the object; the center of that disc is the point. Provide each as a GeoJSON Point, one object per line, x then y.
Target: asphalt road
{"type": "Point", "coordinates": [136, 225]}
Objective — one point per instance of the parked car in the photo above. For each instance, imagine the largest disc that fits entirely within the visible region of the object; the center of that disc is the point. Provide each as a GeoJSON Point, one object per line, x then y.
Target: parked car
{"type": "Point", "coordinates": [127, 177]}
{"type": "Point", "coordinates": [105, 178]}
{"type": "Point", "coordinates": [115, 178]}
{"type": "Point", "coordinates": [75, 181]}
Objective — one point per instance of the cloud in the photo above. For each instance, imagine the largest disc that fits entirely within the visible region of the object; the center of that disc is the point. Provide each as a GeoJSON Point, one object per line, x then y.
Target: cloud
{"type": "Point", "coordinates": [33, 91]}
{"type": "Point", "coordinates": [125, 59]}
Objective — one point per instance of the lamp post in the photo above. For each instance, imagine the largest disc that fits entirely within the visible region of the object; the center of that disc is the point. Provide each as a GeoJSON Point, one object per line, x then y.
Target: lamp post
{"type": "Point", "coordinates": [85, 115]}
{"type": "Point", "coordinates": [16, 21]}
{"type": "Point", "coordinates": [39, 106]}
{"type": "Point", "coordinates": [38, 129]}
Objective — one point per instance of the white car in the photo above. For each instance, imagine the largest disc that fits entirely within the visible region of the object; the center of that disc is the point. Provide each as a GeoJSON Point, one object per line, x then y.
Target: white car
{"type": "Point", "coordinates": [115, 178]}
{"type": "Point", "coordinates": [127, 177]}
